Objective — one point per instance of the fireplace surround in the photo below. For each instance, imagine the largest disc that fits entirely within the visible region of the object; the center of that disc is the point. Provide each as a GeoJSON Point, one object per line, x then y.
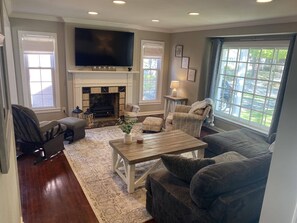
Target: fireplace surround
{"type": "Point", "coordinates": [86, 84]}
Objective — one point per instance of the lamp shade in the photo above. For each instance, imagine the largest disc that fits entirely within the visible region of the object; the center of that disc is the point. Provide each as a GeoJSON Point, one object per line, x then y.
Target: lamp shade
{"type": "Point", "coordinates": [174, 84]}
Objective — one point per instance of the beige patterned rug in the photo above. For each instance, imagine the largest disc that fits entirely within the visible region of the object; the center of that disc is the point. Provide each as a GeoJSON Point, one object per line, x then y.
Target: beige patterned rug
{"type": "Point", "coordinates": [90, 160]}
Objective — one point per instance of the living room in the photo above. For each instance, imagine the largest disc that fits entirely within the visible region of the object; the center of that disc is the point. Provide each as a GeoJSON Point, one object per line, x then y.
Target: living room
{"type": "Point", "coordinates": [279, 203]}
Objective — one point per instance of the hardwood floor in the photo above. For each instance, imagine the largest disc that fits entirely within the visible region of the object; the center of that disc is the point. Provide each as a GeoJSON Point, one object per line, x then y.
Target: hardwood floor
{"type": "Point", "coordinates": [50, 192]}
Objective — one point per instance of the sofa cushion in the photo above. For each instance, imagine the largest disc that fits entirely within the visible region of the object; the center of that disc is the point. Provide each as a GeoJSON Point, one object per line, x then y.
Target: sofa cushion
{"type": "Point", "coordinates": [244, 141]}
{"type": "Point", "coordinates": [214, 180]}
{"type": "Point", "coordinates": [183, 167]}
{"type": "Point", "coordinates": [170, 200]}
{"type": "Point", "coordinates": [228, 157]}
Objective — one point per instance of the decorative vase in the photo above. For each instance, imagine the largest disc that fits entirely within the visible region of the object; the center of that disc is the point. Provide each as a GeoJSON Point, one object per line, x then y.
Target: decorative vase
{"type": "Point", "coordinates": [127, 138]}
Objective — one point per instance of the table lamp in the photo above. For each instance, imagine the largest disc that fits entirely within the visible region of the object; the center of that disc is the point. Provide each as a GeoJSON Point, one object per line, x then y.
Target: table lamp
{"type": "Point", "coordinates": [174, 85]}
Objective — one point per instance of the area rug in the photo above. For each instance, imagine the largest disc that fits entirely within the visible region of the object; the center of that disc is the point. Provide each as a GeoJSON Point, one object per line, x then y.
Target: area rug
{"type": "Point", "coordinates": [90, 159]}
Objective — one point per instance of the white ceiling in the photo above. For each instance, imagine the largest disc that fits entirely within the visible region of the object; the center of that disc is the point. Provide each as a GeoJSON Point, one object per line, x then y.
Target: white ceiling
{"type": "Point", "coordinates": [171, 13]}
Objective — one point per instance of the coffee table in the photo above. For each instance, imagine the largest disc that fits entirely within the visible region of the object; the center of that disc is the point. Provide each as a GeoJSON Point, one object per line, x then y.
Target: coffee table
{"type": "Point", "coordinates": [154, 145]}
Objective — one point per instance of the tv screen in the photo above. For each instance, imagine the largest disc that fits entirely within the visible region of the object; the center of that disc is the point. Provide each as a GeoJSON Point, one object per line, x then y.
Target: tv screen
{"type": "Point", "coordinates": [103, 48]}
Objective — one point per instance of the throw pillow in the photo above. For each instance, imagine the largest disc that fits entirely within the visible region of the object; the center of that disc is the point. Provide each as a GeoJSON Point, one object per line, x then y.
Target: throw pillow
{"type": "Point", "coordinates": [228, 157]}
{"type": "Point", "coordinates": [184, 168]}
{"type": "Point", "coordinates": [196, 108]}
{"type": "Point", "coordinates": [271, 147]}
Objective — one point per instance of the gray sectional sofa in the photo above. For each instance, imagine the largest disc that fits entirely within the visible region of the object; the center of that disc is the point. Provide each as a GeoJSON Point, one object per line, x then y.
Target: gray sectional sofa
{"type": "Point", "coordinates": [230, 191]}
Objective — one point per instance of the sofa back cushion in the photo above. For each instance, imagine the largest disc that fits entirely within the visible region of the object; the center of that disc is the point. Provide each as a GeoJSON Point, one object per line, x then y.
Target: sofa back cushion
{"type": "Point", "coordinates": [214, 180]}
{"type": "Point", "coordinates": [244, 141]}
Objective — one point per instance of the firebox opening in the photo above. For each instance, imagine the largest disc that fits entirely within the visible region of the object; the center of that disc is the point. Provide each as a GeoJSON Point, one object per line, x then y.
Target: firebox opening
{"type": "Point", "coordinates": [104, 105]}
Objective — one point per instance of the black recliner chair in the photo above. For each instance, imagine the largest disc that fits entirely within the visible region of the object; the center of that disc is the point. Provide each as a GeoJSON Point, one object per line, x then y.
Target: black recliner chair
{"type": "Point", "coordinates": [45, 138]}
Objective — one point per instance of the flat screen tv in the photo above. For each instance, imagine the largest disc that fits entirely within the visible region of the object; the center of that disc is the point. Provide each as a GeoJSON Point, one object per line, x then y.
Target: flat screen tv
{"type": "Point", "coordinates": [103, 48]}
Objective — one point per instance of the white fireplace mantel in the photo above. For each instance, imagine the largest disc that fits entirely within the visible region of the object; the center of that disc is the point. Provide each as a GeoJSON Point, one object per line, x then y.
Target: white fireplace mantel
{"type": "Point", "coordinates": [87, 78]}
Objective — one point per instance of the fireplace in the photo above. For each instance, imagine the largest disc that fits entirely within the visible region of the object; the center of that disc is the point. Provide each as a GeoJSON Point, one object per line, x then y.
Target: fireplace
{"type": "Point", "coordinates": [83, 83]}
{"type": "Point", "coordinates": [104, 102]}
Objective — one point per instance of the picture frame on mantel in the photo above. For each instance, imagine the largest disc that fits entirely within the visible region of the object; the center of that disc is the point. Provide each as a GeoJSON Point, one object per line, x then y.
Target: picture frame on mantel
{"type": "Point", "coordinates": [185, 62]}
{"type": "Point", "coordinates": [191, 75]}
{"type": "Point", "coordinates": [179, 50]}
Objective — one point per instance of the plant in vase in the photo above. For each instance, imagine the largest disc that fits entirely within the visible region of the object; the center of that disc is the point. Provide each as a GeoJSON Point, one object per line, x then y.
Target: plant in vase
{"type": "Point", "coordinates": [126, 126]}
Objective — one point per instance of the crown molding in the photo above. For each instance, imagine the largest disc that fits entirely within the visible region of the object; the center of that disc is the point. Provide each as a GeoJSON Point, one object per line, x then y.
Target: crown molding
{"type": "Point", "coordinates": [114, 24]}
{"type": "Point", "coordinates": [239, 24]}
{"type": "Point", "coordinates": [85, 22]}
{"type": "Point", "coordinates": [152, 29]}
{"type": "Point", "coordinates": [35, 17]}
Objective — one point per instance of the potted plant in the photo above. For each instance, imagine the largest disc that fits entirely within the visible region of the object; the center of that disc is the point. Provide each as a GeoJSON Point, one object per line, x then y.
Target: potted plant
{"type": "Point", "coordinates": [126, 126]}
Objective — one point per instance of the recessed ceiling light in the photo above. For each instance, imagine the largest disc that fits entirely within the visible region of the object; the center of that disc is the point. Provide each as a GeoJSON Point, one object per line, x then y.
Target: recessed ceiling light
{"type": "Point", "coordinates": [264, 1]}
{"type": "Point", "coordinates": [193, 13]}
{"type": "Point", "coordinates": [119, 2]}
{"type": "Point", "coordinates": [93, 13]}
{"type": "Point", "coordinates": [155, 20]}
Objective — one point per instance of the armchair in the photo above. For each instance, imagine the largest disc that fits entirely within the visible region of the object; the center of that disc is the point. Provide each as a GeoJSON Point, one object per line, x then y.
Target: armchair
{"type": "Point", "coordinates": [43, 137]}
{"type": "Point", "coordinates": [189, 122]}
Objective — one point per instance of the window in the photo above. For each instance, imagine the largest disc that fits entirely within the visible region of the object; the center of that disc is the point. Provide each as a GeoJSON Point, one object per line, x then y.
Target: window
{"type": "Point", "coordinates": [152, 55]}
{"type": "Point", "coordinates": [248, 80]}
{"type": "Point", "coordinates": [39, 70]}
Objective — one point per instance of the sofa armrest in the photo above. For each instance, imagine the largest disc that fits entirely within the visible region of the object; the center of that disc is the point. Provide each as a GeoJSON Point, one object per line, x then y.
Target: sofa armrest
{"type": "Point", "coordinates": [51, 129]}
{"type": "Point", "coordinates": [215, 180]}
{"type": "Point", "coordinates": [182, 108]}
{"type": "Point", "coordinates": [47, 125]}
{"type": "Point", "coordinates": [244, 203]}
{"type": "Point", "coordinates": [186, 116]}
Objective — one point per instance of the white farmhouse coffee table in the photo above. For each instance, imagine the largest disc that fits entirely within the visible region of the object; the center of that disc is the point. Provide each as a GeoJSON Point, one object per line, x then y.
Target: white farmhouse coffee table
{"type": "Point", "coordinates": [154, 145]}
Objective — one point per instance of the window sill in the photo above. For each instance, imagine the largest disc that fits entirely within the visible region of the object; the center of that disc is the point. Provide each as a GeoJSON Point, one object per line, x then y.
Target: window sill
{"type": "Point", "coordinates": [47, 110]}
{"type": "Point", "coordinates": [263, 132]}
{"type": "Point", "coordinates": [149, 102]}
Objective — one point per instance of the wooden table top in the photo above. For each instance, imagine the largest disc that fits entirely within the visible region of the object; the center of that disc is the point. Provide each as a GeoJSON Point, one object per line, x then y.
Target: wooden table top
{"type": "Point", "coordinates": [154, 145]}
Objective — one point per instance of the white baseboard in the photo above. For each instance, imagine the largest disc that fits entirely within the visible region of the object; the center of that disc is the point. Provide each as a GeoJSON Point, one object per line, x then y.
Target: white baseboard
{"type": "Point", "coordinates": [160, 112]}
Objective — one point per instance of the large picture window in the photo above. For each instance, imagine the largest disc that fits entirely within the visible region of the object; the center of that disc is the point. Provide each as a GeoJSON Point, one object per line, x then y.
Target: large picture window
{"type": "Point", "coordinates": [151, 71]}
{"type": "Point", "coordinates": [39, 70]}
{"type": "Point", "coordinates": [248, 81]}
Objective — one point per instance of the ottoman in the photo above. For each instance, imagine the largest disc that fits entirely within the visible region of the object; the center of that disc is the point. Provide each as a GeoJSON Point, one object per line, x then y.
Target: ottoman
{"type": "Point", "coordinates": [75, 128]}
{"type": "Point", "coordinates": [152, 124]}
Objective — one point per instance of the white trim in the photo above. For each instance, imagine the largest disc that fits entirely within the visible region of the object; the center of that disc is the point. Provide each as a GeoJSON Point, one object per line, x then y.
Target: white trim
{"type": "Point", "coordinates": [72, 71]}
{"type": "Point", "coordinates": [227, 119]}
{"type": "Point", "coordinates": [20, 15]}
{"type": "Point", "coordinates": [47, 110]}
{"type": "Point", "coordinates": [157, 102]}
{"type": "Point", "coordinates": [160, 77]}
{"type": "Point", "coordinates": [147, 113]}
{"type": "Point", "coordinates": [274, 21]}
{"type": "Point", "coordinates": [114, 24]}
{"type": "Point", "coordinates": [25, 79]}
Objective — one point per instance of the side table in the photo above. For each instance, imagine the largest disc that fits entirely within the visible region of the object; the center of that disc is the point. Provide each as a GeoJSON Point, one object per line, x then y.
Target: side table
{"type": "Point", "coordinates": [171, 102]}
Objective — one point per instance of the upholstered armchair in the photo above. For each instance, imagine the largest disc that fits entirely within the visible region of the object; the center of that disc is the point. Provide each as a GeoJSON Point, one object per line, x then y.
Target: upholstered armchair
{"type": "Point", "coordinates": [187, 119]}
{"type": "Point", "coordinates": [46, 137]}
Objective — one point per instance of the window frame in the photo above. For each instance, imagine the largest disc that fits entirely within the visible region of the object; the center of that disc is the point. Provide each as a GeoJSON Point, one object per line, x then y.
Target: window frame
{"type": "Point", "coordinates": [216, 82]}
{"type": "Point", "coordinates": [160, 76]}
{"type": "Point", "coordinates": [25, 75]}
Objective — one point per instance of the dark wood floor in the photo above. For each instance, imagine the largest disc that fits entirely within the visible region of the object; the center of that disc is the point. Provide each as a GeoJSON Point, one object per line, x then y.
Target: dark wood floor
{"type": "Point", "coordinates": [50, 192]}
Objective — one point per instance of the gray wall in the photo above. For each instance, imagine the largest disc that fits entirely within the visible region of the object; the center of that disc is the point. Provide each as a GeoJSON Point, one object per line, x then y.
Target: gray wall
{"type": "Point", "coordinates": [41, 26]}
{"type": "Point", "coordinates": [196, 46]}
{"type": "Point", "coordinates": [65, 33]}
{"type": "Point", "coordinates": [138, 36]}
{"type": "Point", "coordinates": [10, 204]}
